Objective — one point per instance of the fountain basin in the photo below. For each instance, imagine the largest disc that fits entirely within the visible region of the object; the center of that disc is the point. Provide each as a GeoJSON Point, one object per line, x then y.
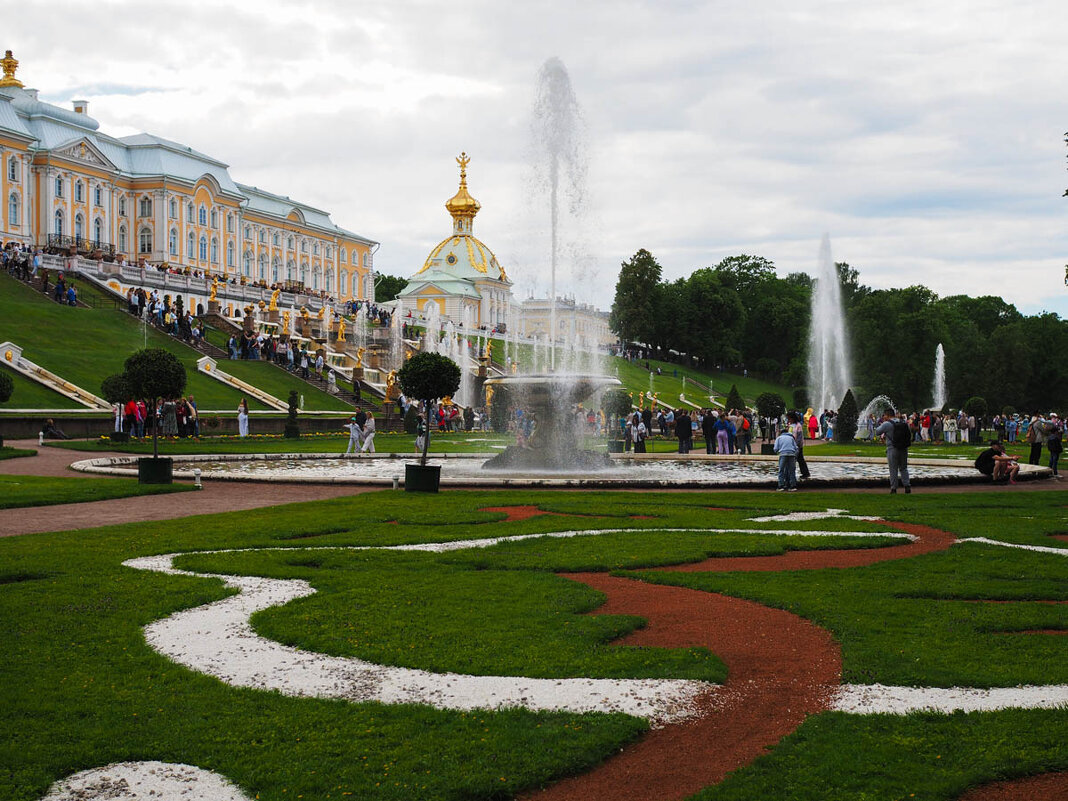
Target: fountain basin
{"type": "Point", "coordinates": [641, 471]}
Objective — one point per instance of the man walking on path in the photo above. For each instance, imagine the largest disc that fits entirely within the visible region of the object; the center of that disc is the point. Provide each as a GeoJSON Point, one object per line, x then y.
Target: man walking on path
{"type": "Point", "coordinates": [898, 436]}
{"type": "Point", "coordinates": [786, 447]}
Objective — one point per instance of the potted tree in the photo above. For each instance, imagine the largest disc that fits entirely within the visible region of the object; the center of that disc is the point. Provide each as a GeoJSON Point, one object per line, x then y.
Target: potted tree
{"type": "Point", "coordinates": [152, 374]}
{"type": "Point", "coordinates": [427, 377]}
{"type": "Point", "coordinates": [615, 403]}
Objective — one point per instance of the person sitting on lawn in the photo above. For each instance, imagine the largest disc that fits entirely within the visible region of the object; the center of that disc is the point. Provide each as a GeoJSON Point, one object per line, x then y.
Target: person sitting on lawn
{"type": "Point", "coordinates": [994, 462]}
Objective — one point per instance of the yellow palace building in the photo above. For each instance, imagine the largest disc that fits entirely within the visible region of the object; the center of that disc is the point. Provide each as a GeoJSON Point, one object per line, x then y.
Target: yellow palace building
{"type": "Point", "coordinates": [64, 183]}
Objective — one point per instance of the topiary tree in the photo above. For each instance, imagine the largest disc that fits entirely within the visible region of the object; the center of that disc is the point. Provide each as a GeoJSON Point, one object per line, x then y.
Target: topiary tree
{"type": "Point", "coordinates": [976, 407]}
{"type": "Point", "coordinates": [7, 387]}
{"type": "Point", "coordinates": [734, 398]}
{"type": "Point", "coordinates": [845, 426]}
{"type": "Point", "coordinates": [427, 377]}
{"type": "Point", "coordinates": [292, 428]}
{"type": "Point", "coordinates": [615, 403]}
{"type": "Point", "coordinates": [1008, 411]}
{"type": "Point", "coordinates": [114, 389]}
{"type": "Point", "coordinates": [154, 373]}
{"type": "Point", "coordinates": [800, 398]}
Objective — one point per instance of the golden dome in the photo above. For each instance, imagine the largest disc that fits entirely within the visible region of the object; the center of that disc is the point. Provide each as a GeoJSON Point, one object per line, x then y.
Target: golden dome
{"type": "Point", "coordinates": [462, 205]}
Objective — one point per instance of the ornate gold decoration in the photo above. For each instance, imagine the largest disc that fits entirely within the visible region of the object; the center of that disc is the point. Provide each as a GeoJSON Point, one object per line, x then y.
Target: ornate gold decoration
{"type": "Point", "coordinates": [9, 355]}
{"type": "Point", "coordinates": [391, 384]}
{"type": "Point", "coordinates": [359, 356]}
{"type": "Point", "coordinates": [341, 331]}
{"type": "Point", "coordinates": [214, 288]}
{"type": "Point", "coordinates": [304, 313]}
{"type": "Point", "coordinates": [489, 396]}
{"type": "Point", "coordinates": [489, 349]}
{"type": "Point", "coordinates": [285, 321]}
{"type": "Point", "coordinates": [10, 64]}
{"type": "Point", "coordinates": [274, 300]}
{"type": "Point", "coordinates": [262, 304]}
{"type": "Point", "coordinates": [461, 205]}
{"type": "Point", "coordinates": [319, 314]}
{"type": "Point", "coordinates": [207, 368]}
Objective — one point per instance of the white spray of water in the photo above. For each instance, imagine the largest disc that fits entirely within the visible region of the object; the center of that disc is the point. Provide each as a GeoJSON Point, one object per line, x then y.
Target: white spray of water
{"type": "Point", "coordinates": [828, 352]}
{"type": "Point", "coordinates": [938, 388]}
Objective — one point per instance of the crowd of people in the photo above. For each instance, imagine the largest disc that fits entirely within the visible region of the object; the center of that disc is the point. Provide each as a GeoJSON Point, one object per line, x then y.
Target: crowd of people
{"type": "Point", "coordinates": [174, 418]}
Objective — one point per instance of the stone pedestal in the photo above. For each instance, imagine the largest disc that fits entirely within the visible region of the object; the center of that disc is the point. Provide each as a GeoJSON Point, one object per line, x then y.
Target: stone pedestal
{"type": "Point", "coordinates": [357, 374]}
{"type": "Point", "coordinates": [273, 316]}
{"type": "Point", "coordinates": [214, 307]}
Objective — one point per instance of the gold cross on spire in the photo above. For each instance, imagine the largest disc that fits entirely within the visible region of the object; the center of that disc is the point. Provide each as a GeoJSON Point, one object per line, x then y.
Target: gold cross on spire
{"type": "Point", "coordinates": [463, 160]}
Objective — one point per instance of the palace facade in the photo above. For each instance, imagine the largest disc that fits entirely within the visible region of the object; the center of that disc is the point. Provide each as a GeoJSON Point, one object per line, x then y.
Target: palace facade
{"type": "Point", "coordinates": [65, 183]}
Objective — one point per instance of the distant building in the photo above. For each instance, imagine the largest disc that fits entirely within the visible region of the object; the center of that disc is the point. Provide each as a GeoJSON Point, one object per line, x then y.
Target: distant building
{"type": "Point", "coordinates": [578, 323]}
{"type": "Point", "coordinates": [144, 197]}
{"type": "Point", "coordinates": [461, 276]}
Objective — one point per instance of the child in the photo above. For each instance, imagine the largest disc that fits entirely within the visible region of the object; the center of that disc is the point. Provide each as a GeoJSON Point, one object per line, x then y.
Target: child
{"type": "Point", "coordinates": [786, 447]}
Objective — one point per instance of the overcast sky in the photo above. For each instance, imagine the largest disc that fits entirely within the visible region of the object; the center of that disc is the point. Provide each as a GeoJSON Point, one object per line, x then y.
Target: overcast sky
{"type": "Point", "coordinates": [925, 138]}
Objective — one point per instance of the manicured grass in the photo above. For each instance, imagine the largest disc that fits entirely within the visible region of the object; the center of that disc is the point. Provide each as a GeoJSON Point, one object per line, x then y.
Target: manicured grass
{"type": "Point", "coordinates": [79, 687]}
{"type": "Point", "coordinates": [16, 491]}
{"type": "Point", "coordinates": [31, 395]}
{"type": "Point", "coordinates": [85, 346]}
{"type": "Point", "coordinates": [15, 453]}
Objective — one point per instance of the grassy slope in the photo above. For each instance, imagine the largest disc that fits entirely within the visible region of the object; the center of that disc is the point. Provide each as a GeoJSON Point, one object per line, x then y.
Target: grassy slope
{"type": "Point", "coordinates": [79, 688]}
{"type": "Point", "coordinates": [31, 395]}
{"type": "Point", "coordinates": [87, 345]}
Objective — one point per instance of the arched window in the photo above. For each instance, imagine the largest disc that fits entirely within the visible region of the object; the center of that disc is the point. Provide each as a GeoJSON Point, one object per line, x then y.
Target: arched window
{"type": "Point", "coordinates": [344, 254]}
{"type": "Point", "coordinates": [229, 223]}
{"type": "Point", "coordinates": [263, 236]}
{"type": "Point", "coordinates": [79, 192]}
{"type": "Point", "coordinates": [304, 246]}
{"type": "Point", "coordinates": [214, 218]}
{"type": "Point", "coordinates": [79, 226]}
{"type": "Point", "coordinates": [189, 216]}
{"type": "Point", "coordinates": [98, 230]}
{"type": "Point", "coordinates": [230, 255]}
{"type": "Point", "coordinates": [246, 262]}
{"type": "Point", "coordinates": [59, 187]}
{"type": "Point", "coordinates": [263, 267]}
{"type": "Point", "coordinates": [315, 278]}
{"type": "Point", "coordinates": [203, 248]}
{"type": "Point", "coordinates": [289, 270]}
{"type": "Point", "coordinates": [191, 246]}
{"type": "Point", "coordinates": [248, 232]}
{"type": "Point", "coordinates": [343, 282]}
{"type": "Point", "coordinates": [144, 240]}
{"type": "Point", "coordinates": [12, 169]}
{"type": "Point", "coordinates": [122, 207]}
{"type": "Point", "coordinates": [315, 249]}
{"type": "Point", "coordinates": [146, 209]}
{"type": "Point", "coordinates": [172, 242]}
{"type": "Point", "coordinates": [98, 196]}
{"type": "Point", "coordinates": [13, 210]}
{"type": "Point", "coordinates": [277, 239]}
{"type": "Point", "coordinates": [304, 273]}
{"type": "Point", "coordinates": [289, 243]}
{"type": "Point", "coordinates": [174, 208]}
{"type": "Point", "coordinates": [214, 250]}
{"type": "Point", "coordinates": [329, 287]}
{"type": "Point", "coordinates": [122, 239]}
{"type": "Point", "coordinates": [355, 285]}
{"type": "Point", "coordinates": [276, 267]}
{"type": "Point", "coordinates": [203, 216]}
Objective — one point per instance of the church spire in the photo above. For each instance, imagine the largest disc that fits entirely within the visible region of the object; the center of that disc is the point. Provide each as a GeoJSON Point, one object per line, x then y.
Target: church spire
{"type": "Point", "coordinates": [462, 206]}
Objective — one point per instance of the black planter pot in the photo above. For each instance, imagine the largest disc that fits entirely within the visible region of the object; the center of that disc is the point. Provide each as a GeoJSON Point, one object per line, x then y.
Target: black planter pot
{"type": "Point", "coordinates": [418, 478]}
{"type": "Point", "coordinates": [615, 446]}
{"type": "Point", "coordinates": [155, 471]}
{"type": "Point", "coordinates": [120, 436]}
{"type": "Point", "coordinates": [767, 449]}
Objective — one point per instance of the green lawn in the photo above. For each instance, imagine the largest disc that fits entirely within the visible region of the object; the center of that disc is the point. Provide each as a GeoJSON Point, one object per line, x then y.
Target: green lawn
{"type": "Point", "coordinates": [29, 394]}
{"type": "Point", "coordinates": [15, 453]}
{"type": "Point", "coordinates": [80, 688]}
{"type": "Point", "coordinates": [87, 345]}
{"type": "Point", "coordinates": [16, 491]}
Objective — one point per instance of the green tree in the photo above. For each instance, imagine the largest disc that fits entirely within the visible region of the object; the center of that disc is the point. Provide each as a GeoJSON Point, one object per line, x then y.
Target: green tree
{"type": "Point", "coordinates": [114, 389]}
{"type": "Point", "coordinates": [152, 374]}
{"type": "Point", "coordinates": [7, 387]}
{"type": "Point", "coordinates": [292, 427]}
{"type": "Point", "coordinates": [845, 424]}
{"type": "Point", "coordinates": [387, 287]}
{"type": "Point", "coordinates": [427, 377]}
{"type": "Point", "coordinates": [734, 398]}
{"type": "Point", "coordinates": [634, 306]}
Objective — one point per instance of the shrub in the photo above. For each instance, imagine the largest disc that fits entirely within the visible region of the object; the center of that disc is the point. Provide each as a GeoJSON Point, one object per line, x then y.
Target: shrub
{"type": "Point", "coordinates": [114, 389]}
{"type": "Point", "coordinates": [770, 405]}
{"type": "Point", "coordinates": [7, 387]}
{"type": "Point", "coordinates": [734, 398]}
{"type": "Point", "coordinates": [845, 425]}
{"type": "Point", "coordinates": [154, 373]}
{"type": "Point", "coordinates": [976, 407]}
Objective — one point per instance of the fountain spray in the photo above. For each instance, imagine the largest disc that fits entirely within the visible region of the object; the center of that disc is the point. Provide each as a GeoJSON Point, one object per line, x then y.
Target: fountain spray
{"type": "Point", "coordinates": [828, 352]}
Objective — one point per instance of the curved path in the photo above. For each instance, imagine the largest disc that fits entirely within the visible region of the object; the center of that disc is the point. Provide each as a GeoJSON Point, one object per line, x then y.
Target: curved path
{"type": "Point", "coordinates": [1047, 787]}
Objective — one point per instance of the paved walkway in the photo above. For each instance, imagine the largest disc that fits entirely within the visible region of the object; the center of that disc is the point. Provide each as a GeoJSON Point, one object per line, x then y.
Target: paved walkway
{"type": "Point", "coordinates": [225, 496]}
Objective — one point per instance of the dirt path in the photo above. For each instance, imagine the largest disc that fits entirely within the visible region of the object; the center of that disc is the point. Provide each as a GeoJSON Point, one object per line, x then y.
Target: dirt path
{"type": "Point", "coordinates": [1047, 787]}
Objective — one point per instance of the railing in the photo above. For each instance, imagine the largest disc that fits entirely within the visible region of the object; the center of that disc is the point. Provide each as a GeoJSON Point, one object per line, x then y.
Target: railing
{"type": "Point", "coordinates": [79, 243]}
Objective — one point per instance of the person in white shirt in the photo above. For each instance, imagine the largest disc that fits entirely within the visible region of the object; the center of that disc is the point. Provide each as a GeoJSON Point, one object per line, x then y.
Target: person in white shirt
{"type": "Point", "coordinates": [368, 434]}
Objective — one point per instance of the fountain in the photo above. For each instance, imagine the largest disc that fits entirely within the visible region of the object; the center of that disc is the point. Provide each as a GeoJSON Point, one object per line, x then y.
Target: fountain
{"type": "Point", "coordinates": [396, 339]}
{"type": "Point", "coordinates": [559, 147]}
{"type": "Point", "coordinates": [828, 353]}
{"type": "Point", "coordinates": [938, 388]}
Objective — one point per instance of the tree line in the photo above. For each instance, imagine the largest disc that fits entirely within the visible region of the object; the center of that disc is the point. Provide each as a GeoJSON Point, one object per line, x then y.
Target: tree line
{"type": "Point", "coordinates": [740, 314]}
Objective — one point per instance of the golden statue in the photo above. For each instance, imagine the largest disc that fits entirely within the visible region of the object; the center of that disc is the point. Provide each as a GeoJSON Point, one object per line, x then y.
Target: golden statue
{"type": "Point", "coordinates": [10, 64]}
{"type": "Point", "coordinates": [641, 399]}
{"type": "Point", "coordinates": [319, 314]}
{"type": "Point", "coordinates": [285, 321]}
{"type": "Point", "coordinates": [391, 383]}
{"type": "Point", "coordinates": [262, 304]}
{"type": "Point", "coordinates": [515, 367]}
{"type": "Point", "coordinates": [359, 356]}
{"type": "Point", "coordinates": [248, 310]}
{"type": "Point", "coordinates": [274, 300]}
{"type": "Point", "coordinates": [489, 349]}
{"type": "Point", "coordinates": [304, 315]}
{"type": "Point", "coordinates": [489, 396]}
{"type": "Point", "coordinates": [214, 288]}
{"type": "Point", "coordinates": [341, 331]}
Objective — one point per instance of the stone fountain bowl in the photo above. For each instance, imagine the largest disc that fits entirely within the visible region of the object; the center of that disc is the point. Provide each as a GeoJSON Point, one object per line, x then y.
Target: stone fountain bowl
{"type": "Point", "coordinates": [551, 389]}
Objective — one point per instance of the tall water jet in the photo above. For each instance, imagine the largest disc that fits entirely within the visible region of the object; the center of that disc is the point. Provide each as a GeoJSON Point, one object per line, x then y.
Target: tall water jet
{"type": "Point", "coordinates": [560, 164]}
{"type": "Point", "coordinates": [938, 388]}
{"type": "Point", "coordinates": [828, 350]}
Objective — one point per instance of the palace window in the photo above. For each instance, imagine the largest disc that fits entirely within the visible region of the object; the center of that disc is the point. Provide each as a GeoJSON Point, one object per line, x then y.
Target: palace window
{"type": "Point", "coordinates": [59, 187]}
{"type": "Point", "coordinates": [122, 239]}
{"type": "Point", "coordinates": [246, 263]}
{"type": "Point", "coordinates": [98, 230]}
{"type": "Point", "coordinates": [303, 246]}
{"type": "Point", "coordinates": [79, 226]}
{"type": "Point", "coordinates": [355, 284]}
{"type": "Point", "coordinates": [329, 252]}
{"type": "Point", "coordinates": [289, 243]}
{"type": "Point", "coordinates": [275, 267]}
{"type": "Point", "coordinates": [203, 248]}
{"type": "Point", "coordinates": [344, 254]}
{"type": "Point", "coordinates": [230, 255]}
{"type": "Point", "coordinates": [214, 250]}
{"type": "Point", "coordinates": [203, 216]}
{"type": "Point", "coordinates": [304, 273]}
{"type": "Point", "coordinates": [58, 224]}
{"type": "Point", "coordinates": [79, 192]}
{"type": "Point", "coordinates": [315, 249]}
{"type": "Point", "coordinates": [214, 218]}
{"type": "Point", "coordinates": [189, 215]}
{"type": "Point", "coordinates": [191, 246]}
{"type": "Point", "coordinates": [315, 278]}
{"type": "Point", "coordinates": [329, 281]}
{"type": "Point", "coordinates": [98, 196]}
{"type": "Point", "coordinates": [263, 236]}
{"type": "Point", "coordinates": [122, 207]}
{"type": "Point", "coordinates": [144, 240]}
{"type": "Point", "coordinates": [172, 242]}
{"type": "Point", "coordinates": [289, 270]}
{"type": "Point", "coordinates": [146, 209]}
{"type": "Point", "coordinates": [12, 169]}
{"type": "Point", "coordinates": [263, 267]}
{"type": "Point", "coordinates": [248, 232]}
{"type": "Point", "coordinates": [174, 208]}
{"type": "Point", "coordinates": [13, 211]}
{"type": "Point", "coordinates": [229, 223]}
{"type": "Point", "coordinates": [277, 239]}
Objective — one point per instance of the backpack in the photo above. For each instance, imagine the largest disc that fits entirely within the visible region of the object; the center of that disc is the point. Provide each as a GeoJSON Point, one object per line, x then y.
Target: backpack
{"type": "Point", "coordinates": [901, 436]}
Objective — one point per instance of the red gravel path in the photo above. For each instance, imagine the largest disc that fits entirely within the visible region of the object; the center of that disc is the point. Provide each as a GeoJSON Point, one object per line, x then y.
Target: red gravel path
{"type": "Point", "coordinates": [1047, 787]}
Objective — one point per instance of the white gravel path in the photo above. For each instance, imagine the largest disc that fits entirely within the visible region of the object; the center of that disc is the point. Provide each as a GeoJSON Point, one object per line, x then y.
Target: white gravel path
{"type": "Point", "coordinates": [140, 781]}
{"type": "Point", "coordinates": [1038, 548]}
{"type": "Point", "coordinates": [873, 699]}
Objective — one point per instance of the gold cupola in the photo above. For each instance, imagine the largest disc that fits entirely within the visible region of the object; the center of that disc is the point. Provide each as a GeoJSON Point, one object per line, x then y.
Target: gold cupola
{"type": "Point", "coordinates": [462, 206]}
{"type": "Point", "coordinates": [10, 64]}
